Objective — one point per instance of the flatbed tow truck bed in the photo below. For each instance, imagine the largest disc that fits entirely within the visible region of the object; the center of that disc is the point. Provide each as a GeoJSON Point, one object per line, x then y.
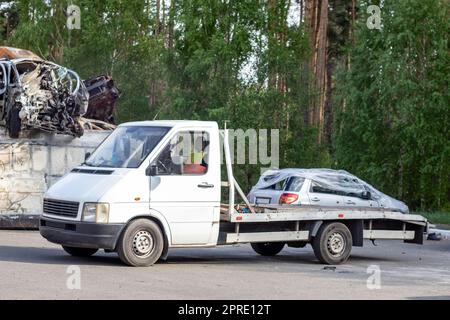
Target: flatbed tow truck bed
{"type": "Point", "coordinates": [302, 223]}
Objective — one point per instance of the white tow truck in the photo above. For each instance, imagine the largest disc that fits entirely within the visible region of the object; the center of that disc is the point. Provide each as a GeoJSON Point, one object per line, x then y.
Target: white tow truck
{"type": "Point", "coordinates": [155, 185]}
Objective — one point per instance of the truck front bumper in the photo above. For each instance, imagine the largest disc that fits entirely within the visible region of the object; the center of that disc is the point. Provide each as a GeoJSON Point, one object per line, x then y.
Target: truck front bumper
{"type": "Point", "coordinates": [80, 234]}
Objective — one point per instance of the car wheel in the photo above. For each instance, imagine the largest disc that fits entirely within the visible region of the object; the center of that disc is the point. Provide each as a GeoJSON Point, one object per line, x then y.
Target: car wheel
{"type": "Point", "coordinates": [333, 243]}
{"type": "Point", "coordinates": [268, 248]}
{"type": "Point", "coordinates": [79, 252]}
{"type": "Point", "coordinates": [141, 244]}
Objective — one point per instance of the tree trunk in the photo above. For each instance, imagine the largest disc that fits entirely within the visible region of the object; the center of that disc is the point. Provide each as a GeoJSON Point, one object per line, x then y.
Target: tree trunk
{"type": "Point", "coordinates": [170, 27]}
{"type": "Point", "coordinates": [316, 21]}
{"type": "Point", "coordinates": [158, 19]}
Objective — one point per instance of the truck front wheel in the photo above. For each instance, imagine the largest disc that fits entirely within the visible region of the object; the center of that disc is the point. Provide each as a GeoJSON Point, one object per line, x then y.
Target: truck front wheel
{"type": "Point", "coordinates": [333, 243]}
{"type": "Point", "coordinates": [141, 244]}
{"type": "Point", "coordinates": [268, 248]}
{"type": "Point", "coordinates": [79, 252]}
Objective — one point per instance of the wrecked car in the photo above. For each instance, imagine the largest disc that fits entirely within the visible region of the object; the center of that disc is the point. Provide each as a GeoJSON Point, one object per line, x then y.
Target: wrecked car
{"type": "Point", "coordinates": [38, 94]}
{"type": "Point", "coordinates": [103, 95]}
{"type": "Point", "coordinates": [320, 187]}
{"type": "Point", "coordinates": [42, 95]}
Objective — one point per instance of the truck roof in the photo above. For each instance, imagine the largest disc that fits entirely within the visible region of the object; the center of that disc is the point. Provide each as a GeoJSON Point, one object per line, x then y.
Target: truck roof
{"type": "Point", "coordinates": [172, 123]}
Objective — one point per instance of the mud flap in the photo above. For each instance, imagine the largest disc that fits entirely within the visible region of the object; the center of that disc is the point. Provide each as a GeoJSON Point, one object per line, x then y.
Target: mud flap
{"type": "Point", "coordinates": [418, 234]}
{"type": "Point", "coordinates": [357, 229]}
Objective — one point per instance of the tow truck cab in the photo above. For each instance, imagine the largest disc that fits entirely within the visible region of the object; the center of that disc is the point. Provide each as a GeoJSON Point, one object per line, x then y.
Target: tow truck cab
{"type": "Point", "coordinates": [165, 171]}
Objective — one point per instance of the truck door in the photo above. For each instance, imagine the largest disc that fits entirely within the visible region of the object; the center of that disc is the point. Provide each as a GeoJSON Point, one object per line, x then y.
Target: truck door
{"type": "Point", "coordinates": [185, 186]}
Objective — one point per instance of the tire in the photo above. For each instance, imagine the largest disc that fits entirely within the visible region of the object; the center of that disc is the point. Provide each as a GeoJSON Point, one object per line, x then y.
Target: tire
{"type": "Point", "coordinates": [79, 252]}
{"type": "Point", "coordinates": [141, 244]}
{"type": "Point", "coordinates": [268, 248]}
{"type": "Point", "coordinates": [14, 123]}
{"type": "Point", "coordinates": [333, 243]}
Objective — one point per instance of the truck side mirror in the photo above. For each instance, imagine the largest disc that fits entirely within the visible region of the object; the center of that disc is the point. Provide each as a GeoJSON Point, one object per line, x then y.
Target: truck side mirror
{"type": "Point", "coordinates": [366, 195]}
{"type": "Point", "coordinates": [152, 170]}
{"type": "Point", "coordinates": [87, 155]}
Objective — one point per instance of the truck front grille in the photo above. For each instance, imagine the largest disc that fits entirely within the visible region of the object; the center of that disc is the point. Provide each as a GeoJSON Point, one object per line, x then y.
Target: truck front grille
{"type": "Point", "coordinates": [61, 208]}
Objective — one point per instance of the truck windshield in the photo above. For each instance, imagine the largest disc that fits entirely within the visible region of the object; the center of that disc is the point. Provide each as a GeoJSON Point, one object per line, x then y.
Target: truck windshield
{"type": "Point", "coordinates": [126, 147]}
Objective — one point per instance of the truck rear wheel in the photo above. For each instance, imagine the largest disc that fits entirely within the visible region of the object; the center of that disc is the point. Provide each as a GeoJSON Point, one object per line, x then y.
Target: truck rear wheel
{"type": "Point", "coordinates": [141, 244]}
{"type": "Point", "coordinates": [333, 243]}
{"type": "Point", "coordinates": [268, 248]}
{"type": "Point", "coordinates": [79, 252]}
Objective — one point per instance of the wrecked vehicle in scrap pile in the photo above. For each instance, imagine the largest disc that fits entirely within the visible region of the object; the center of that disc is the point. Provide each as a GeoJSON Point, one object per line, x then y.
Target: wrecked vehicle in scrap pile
{"type": "Point", "coordinates": [38, 94]}
{"type": "Point", "coordinates": [103, 94]}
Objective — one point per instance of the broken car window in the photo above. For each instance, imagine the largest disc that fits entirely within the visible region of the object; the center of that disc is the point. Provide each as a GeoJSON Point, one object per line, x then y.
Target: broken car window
{"type": "Point", "coordinates": [319, 187]}
{"type": "Point", "coordinates": [277, 186]}
{"type": "Point", "coordinates": [294, 184]}
{"type": "Point", "coordinates": [127, 147]}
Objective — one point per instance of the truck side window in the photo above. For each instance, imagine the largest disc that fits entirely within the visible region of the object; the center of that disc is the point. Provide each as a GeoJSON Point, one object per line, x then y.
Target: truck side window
{"type": "Point", "coordinates": [186, 154]}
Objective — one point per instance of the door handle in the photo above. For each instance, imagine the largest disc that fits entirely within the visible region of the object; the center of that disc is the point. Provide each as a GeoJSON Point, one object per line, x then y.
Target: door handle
{"type": "Point", "coordinates": [315, 199]}
{"type": "Point", "coordinates": [350, 202]}
{"type": "Point", "coordinates": [205, 185]}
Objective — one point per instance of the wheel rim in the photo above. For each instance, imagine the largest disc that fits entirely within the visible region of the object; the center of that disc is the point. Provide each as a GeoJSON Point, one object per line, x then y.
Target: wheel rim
{"type": "Point", "coordinates": [336, 244]}
{"type": "Point", "coordinates": [143, 244]}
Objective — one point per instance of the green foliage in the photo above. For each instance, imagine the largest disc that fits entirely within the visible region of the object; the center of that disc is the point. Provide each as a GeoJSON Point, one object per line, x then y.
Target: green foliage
{"type": "Point", "coordinates": [245, 62]}
{"type": "Point", "coordinates": [392, 127]}
{"type": "Point", "coordinates": [436, 217]}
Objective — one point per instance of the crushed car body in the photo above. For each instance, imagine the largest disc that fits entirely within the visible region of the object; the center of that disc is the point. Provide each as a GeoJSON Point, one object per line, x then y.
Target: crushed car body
{"type": "Point", "coordinates": [321, 187]}
{"type": "Point", "coordinates": [103, 95]}
{"type": "Point", "coordinates": [39, 94]}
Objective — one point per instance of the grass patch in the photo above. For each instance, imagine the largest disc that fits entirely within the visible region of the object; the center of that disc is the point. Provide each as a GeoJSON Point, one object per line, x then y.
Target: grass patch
{"type": "Point", "coordinates": [436, 217]}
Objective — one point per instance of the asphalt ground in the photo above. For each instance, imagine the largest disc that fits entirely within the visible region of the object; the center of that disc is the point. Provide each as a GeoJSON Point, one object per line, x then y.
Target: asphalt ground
{"type": "Point", "coordinates": [32, 268]}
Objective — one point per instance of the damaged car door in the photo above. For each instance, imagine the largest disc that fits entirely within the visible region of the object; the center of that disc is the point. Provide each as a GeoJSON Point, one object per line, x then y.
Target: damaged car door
{"type": "Point", "coordinates": [323, 194]}
{"type": "Point", "coordinates": [103, 95]}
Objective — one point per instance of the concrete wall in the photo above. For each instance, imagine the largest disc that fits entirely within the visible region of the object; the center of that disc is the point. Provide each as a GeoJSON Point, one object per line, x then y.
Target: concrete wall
{"type": "Point", "coordinates": [32, 163]}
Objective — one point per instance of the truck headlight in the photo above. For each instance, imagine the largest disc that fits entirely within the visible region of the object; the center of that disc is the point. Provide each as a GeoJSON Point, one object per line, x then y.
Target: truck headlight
{"type": "Point", "coordinates": [96, 212]}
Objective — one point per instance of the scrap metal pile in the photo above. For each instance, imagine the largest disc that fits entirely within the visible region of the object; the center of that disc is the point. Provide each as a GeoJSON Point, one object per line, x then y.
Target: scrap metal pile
{"type": "Point", "coordinates": [38, 94]}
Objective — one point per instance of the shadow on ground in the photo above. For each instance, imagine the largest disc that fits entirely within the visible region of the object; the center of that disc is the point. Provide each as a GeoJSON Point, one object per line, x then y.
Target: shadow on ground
{"type": "Point", "coordinates": [187, 256]}
{"type": "Point", "coordinates": [52, 256]}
